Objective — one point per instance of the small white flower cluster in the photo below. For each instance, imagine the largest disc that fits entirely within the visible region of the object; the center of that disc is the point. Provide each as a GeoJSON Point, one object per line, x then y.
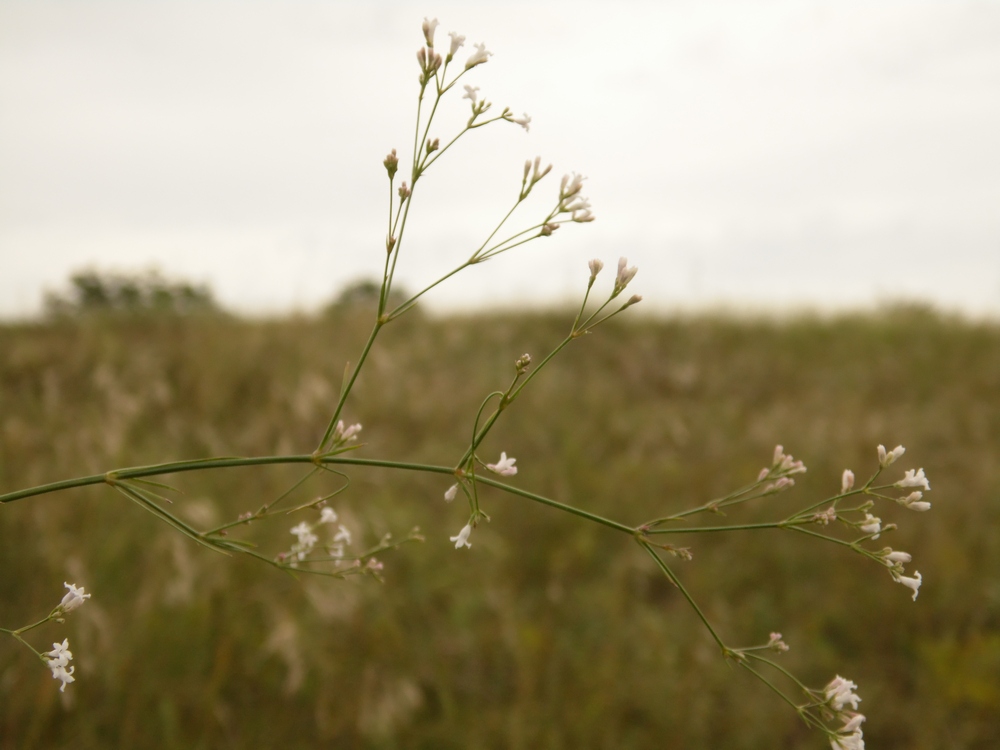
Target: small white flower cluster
{"type": "Point", "coordinates": [462, 540]}
{"type": "Point", "coordinates": [872, 525]}
{"type": "Point", "coordinates": [59, 657]}
{"type": "Point", "coordinates": [894, 560]}
{"type": "Point", "coordinates": [838, 694]}
{"type": "Point", "coordinates": [776, 643]}
{"type": "Point", "coordinates": [480, 56]}
{"type": "Point", "coordinates": [307, 538]}
{"type": "Point", "coordinates": [781, 468]}
{"type": "Point", "coordinates": [913, 478]}
{"type": "Point", "coordinates": [74, 597]}
{"type": "Point", "coordinates": [533, 173]}
{"type": "Point", "coordinates": [504, 467]}
{"type": "Point", "coordinates": [625, 274]}
{"type": "Point", "coordinates": [343, 435]}
{"type": "Point", "coordinates": [58, 660]}
{"type": "Point", "coordinates": [570, 200]}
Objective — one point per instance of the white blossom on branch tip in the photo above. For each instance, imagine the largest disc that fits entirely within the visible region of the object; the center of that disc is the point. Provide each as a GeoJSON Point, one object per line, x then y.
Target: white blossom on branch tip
{"type": "Point", "coordinates": [463, 537]}
{"type": "Point", "coordinates": [896, 557]}
{"type": "Point", "coordinates": [343, 535]}
{"type": "Point", "coordinates": [504, 467]}
{"type": "Point", "coordinates": [480, 56]}
{"type": "Point", "coordinates": [470, 93]}
{"type": "Point", "coordinates": [913, 501]}
{"type": "Point", "coordinates": [872, 525]}
{"type": "Point", "coordinates": [914, 478]}
{"type": "Point", "coordinates": [846, 481]}
{"type": "Point", "coordinates": [73, 598]}
{"type": "Point", "coordinates": [57, 660]}
{"type": "Point", "coordinates": [625, 274]}
{"type": "Point", "coordinates": [839, 692]}
{"type": "Point", "coordinates": [595, 268]}
{"type": "Point", "coordinates": [776, 643]}
{"type": "Point", "coordinates": [910, 583]}
{"type": "Point", "coordinates": [887, 459]}
{"type": "Point", "coordinates": [524, 122]}
{"type": "Point", "coordinates": [428, 28]}
{"type": "Point", "coordinates": [450, 493]}
{"type": "Point", "coordinates": [785, 464]}
{"type": "Point", "coordinates": [328, 515]}
{"type": "Point", "coordinates": [849, 736]}
{"type": "Point", "coordinates": [571, 185]}
{"type": "Point", "coordinates": [457, 40]}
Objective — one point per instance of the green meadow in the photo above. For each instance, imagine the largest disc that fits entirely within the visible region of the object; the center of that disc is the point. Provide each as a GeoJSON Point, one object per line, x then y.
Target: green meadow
{"type": "Point", "coordinates": [550, 632]}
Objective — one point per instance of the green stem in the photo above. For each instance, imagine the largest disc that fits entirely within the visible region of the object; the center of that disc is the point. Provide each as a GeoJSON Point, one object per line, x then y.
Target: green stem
{"type": "Point", "coordinates": [350, 383]}
{"type": "Point", "coordinates": [676, 581]}
{"type": "Point", "coordinates": [554, 504]}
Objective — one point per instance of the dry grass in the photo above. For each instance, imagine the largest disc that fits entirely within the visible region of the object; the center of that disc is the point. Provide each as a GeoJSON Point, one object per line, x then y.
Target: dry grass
{"type": "Point", "coordinates": [549, 633]}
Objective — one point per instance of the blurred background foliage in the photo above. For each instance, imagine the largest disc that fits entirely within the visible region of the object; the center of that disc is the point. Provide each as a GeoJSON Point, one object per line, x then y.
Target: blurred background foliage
{"type": "Point", "coordinates": [548, 633]}
{"type": "Point", "coordinates": [97, 292]}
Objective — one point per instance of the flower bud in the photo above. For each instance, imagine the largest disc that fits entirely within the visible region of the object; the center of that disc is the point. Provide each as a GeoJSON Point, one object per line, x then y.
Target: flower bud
{"type": "Point", "coordinates": [428, 29]}
{"type": "Point", "coordinates": [391, 164]}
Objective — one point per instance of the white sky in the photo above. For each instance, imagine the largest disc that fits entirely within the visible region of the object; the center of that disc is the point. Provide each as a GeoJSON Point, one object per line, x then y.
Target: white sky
{"type": "Point", "coordinates": [761, 154]}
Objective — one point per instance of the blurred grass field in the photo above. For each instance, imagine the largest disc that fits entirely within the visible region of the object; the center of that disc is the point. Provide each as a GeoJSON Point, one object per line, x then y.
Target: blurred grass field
{"type": "Point", "coordinates": [548, 633]}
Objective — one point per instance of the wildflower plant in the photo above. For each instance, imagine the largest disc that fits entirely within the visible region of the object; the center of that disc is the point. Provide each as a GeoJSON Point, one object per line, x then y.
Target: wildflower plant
{"type": "Point", "coordinates": [322, 543]}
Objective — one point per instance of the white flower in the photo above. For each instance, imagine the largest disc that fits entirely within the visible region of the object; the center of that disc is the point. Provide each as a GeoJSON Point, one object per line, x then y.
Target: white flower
{"type": "Point", "coordinates": [849, 736]}
{"type": "Point", "coordinates": [625, 274]}
{"type": "Point", "coordinates": [524, 122]}
{"type": "Point", "coordinates": [73, 598]}
{"type": "Point", "coordinates": [776, 643]}
{"type": "Point", "coordinates": [328, 515]}
{"type": "Point", "coordinates": [457, 40]}
{"type": "Point", "coordinates": [343, 434]}
{"type": "Point", "coordinates": [470, 93]}
{"type": "Point", "coordinates": [60, 653]}
{"type": "Point", "coordinates": [852, 741]}
{"type": "Point", "coordinates": [306, 540]}
{"type": "Point", "coordinates": [840, 692]}
{"type": "Point", "coordinates": [910, 583]}
{"type": "Point", "coordinates": [463, 537]}
{"type": "Point", "coordinates": [872, 525]}
{"type": "Point", "coordinates": [847, 481]}
{"type": "Point", "coordinates": [480, 56]}
{"type": "Point", "coordinates": [579, 203]}
{"type": "Point", "coordinates": [595, 267]}
{"type": "Point", "coordinates": [429, 27]}
{"type": "Point", "coordinates": [343, 535]}
{"type": "Point", "coordinates": [571, 185]}
{"type": "Point", "coordinates": [886, 459]}
{"type": "Point", "coordinates": [914, 479]}
{"type": "Point", "coordinates": [504, 467]}
{"type": "Point", "coordinates": [786, 464]}
{"type": "Point", "coordinates": [897, 558]}
{"type": "Point", "coordinates": [913, 501]}
{"type": "Point", "coordinates": [450, 493]}
{"type": "Point", "coordinates": [58, 659]}
{"type": "Point", "coordinates": [826, 516]}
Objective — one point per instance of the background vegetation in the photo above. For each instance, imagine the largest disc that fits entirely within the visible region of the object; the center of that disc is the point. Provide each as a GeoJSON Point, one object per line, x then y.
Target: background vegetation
{"type": "Point", "coordinates": [549, 632]}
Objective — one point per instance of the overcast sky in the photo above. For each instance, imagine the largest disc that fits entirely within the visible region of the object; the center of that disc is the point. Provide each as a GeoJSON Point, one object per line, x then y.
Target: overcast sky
{"type": "Point", "coordinates": [748, 154]}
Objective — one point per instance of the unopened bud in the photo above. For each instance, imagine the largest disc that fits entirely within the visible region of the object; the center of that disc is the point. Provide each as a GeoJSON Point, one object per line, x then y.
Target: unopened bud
{"type": "Point", "coordinates": [595, 268]}
{"type": "Point", "coordinates": [522, 363]}
{"type": "Point", "coordinates": [428, 29]}
{"type": "Point", "coordinates": [404, 192]}
{"type": "Point", "coordinates": [390, 243]}
{"type": "Point", "coordinates": [391, 164]}
{"type": "Point", "coordinates": [548, 229]}
{"type": "Point", "coordinates": [433, 146]}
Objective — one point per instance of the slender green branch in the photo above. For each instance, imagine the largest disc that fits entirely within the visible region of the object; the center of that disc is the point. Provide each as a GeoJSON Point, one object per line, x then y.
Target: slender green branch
{"type": "Point", "coordinates": [676, 581]}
